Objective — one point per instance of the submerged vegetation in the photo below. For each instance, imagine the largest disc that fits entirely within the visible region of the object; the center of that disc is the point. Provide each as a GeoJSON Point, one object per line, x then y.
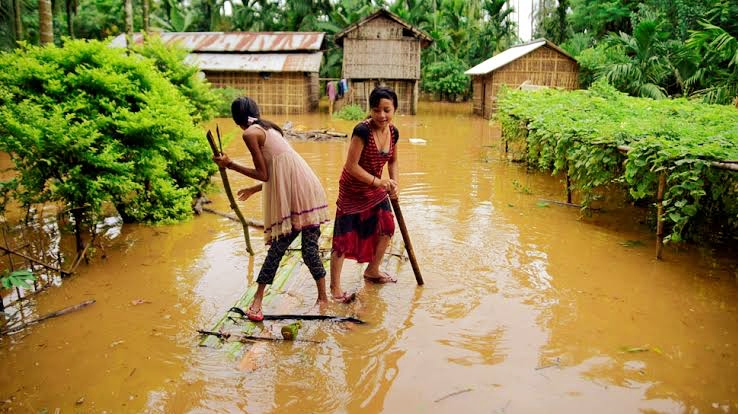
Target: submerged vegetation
{"type": "Point", "coordinates": [583, 134]}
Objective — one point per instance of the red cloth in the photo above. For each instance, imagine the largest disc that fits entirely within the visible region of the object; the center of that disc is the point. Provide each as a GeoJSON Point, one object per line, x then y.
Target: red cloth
{"type": "Point", "coordinates": [354, 195]}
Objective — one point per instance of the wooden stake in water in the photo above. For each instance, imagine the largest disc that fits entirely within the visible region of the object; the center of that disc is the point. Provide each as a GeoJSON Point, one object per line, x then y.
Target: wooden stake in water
{"type": "Point", "coordinates": [406, 239]}
{"type": "Point", "coordinates": [229, 193]}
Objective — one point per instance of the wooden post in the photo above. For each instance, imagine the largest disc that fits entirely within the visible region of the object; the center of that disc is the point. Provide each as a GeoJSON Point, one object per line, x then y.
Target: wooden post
{"type": "Point", "coordinates": [229, 193]}
{"type": "Point", "coordinates": [659, 215]}
{"type": "Point", "coordinates": [406, 239]}
{"type": "Point", "coordinates": [568, 188]}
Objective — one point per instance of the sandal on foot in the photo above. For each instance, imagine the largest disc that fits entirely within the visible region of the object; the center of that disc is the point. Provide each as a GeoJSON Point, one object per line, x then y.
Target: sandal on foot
{"type": "Point", "coordinates": [345, 298]}
{"type": "Point", "coordinates": [381, 279]}
{"type": "Point", "coordinates": [255, 315]}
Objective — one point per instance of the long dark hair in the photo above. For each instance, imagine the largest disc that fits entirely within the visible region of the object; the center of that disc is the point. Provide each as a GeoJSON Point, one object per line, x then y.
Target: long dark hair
{"type": "Point", "coordinates": [244, 108]}
{"type": "Point", "coordinates": [382, 92]}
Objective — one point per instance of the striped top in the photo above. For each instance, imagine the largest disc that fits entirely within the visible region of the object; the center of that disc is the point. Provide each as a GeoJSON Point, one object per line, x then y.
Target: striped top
{"type": "Point", "coordinates": [354, 195]}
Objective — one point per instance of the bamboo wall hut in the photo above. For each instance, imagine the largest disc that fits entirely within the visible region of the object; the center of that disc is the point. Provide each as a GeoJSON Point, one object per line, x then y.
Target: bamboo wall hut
{"type": "Point", "coordinates": [539, 62]}
{"type": "Point", "coordinates": [382, 49]}
{"type": "Point", "coordinates": [278, 69]}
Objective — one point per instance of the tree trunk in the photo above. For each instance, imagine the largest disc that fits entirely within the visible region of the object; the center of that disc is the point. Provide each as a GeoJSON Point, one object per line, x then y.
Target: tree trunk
{"type": "Point", "coordinates": [18, 10]}
{"type": "Point", "coordinates": [46, 24]}
{"type": "Point", "coordinates": [71, 11]}
{"type": "Point", "coordinates": [146, 16]}
{"type": "Point", "coordinates": [129, 23]}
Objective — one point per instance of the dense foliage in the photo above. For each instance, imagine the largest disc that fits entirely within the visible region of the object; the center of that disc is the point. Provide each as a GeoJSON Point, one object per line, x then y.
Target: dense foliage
{"type": "Point", "coordinates": [578, 133]}
{"type": "Point", "coordinates": [86, 124]}
{"type": "Point", "coordinates": [350, 113]}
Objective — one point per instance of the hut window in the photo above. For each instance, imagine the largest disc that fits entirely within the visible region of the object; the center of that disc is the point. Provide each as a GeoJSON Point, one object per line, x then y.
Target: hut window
{"type": "Point", "coordinates": [407, 33]}
{"type": "Point", "coordinates": [265, 75]}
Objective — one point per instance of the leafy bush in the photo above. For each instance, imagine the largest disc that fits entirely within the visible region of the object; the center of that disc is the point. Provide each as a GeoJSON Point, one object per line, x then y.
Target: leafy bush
{"type": "Point", "coordinates": [86, 124]}
{"type": "Point", "coordinates": [170, 61]}
{"type": "Point", "coordinates": [225, 97]}
{"type": "Point", "coordinates": [351, 113]}
{"type": "Point", "coordinates": [578, 132]}
{"type": "Point", "coordinates": [447, 79]}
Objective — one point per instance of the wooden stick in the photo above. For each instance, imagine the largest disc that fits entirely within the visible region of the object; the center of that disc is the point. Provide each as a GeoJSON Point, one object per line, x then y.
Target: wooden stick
{"type": "Point", "coordinates": [251, 222]}
{"type": "Point", "coordinates": [406, 239]}
{"type": "Point", "coordinates": [32, 260]}
{"type": "Point", "coordinates": [229, 193]}
{"type": "Point", "coordinates": [724, 165]}
{"type": "Point", "coordinates": [245, 338]}
{"type": "Point", "coordinates": [660, 214]}
{"type": "Point", "coordinates": [49, 316]}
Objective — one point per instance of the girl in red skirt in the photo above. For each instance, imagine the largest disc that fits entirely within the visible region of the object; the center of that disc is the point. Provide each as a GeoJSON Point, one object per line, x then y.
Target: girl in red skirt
{"type": "Point", "coordinates": [364, 221]}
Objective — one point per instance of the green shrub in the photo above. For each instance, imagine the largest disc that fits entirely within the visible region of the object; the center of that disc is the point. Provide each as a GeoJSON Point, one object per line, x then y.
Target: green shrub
{"type": "Point", "coordinates": [225, 97]}
{"type": "Point", "coordinates": [86, 124]}
{"type": "Point", "coordinates": [351, 113]}
{"type": "Point", "coordinates": [578, 132]}
{"type": "Point", "coordinates": [447, 79]}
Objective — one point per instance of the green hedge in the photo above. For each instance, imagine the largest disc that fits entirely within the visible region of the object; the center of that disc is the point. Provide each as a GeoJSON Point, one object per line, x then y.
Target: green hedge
{"type": "Point", "coordinates": [86, 124]}
{"type": "Point", "coordinates": [578, 132]}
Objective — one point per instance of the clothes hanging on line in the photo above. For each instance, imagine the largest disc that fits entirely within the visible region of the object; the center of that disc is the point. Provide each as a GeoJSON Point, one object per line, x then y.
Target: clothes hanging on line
{"type": "Point", "coordinates": [330, 88]}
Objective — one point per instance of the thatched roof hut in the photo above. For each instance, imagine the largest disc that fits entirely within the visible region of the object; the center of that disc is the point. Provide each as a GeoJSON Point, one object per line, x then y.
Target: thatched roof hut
{"type": "Point", "coordinates": [278, 69]}
{"type": "Point", "coordinates": [382, 49]}
{"type": "Point", "coordinates": [539, 62]}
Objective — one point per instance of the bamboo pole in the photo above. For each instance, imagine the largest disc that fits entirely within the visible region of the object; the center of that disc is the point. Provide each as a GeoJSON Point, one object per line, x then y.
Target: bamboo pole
{"type": "Point", "coordinates": [406, 239]}
{"type": "Point", "coordinates": [32, 260]}
{"type": "Point", "coordinates": [723, 165]}
{"type": "Point", "coordinates": [229, 193]}
{"type": "Point", "coordinates": [49, 316]}
{"type": "Point", "coordinates": [659, 215]}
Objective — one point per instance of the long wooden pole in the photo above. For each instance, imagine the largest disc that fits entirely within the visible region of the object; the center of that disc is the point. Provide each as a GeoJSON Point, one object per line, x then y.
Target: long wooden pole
{"type": "Point", "coordinates": [49, 316]}
{"type": "Point", "coordinates": [229, 193]}
{"type": "Point", "coordinates": [406, 239]}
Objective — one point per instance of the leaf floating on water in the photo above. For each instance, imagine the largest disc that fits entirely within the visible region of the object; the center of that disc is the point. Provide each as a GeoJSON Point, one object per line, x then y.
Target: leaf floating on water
{"type": "Point", "coordinates": [632, 243]}
{"type": "Point", "coordinates": [80, 401]}
{"type": "Point", "coordinates": [635, 349]}
{"type": "Point", "coordinates": [135, 302]}
{"type": "Point", "coordinates": [542, 204]}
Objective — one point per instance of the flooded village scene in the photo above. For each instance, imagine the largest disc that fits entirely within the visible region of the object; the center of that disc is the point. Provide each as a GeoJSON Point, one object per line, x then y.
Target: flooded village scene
{"type": "Point", "coordinates": [374, 206]}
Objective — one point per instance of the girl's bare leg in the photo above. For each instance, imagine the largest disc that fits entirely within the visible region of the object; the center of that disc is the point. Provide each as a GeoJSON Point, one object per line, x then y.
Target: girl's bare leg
{"type": "Point", "coordinates": [372, 270]}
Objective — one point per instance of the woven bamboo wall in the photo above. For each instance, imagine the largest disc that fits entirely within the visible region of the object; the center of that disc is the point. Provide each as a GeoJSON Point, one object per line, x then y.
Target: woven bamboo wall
{"type": "Point", "coordinates": [406, 91]}
{"type": "Point", "coordinates": [477, 94]}
{"type": "Point", "coordinates": [381, 49]}
{"type": "Point", "coordinates": [280, 93]}
{"type": "Point", "coordinates": [544, 66]}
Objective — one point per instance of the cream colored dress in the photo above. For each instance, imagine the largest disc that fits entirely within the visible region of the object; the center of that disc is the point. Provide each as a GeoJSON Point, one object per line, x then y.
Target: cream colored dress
{"type": "Point", "coordinates": [293, 198]}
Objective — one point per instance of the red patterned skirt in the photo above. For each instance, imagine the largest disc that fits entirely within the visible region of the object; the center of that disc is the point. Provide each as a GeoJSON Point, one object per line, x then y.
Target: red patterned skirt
{"type": "Point", "coordinates": [355, 236]}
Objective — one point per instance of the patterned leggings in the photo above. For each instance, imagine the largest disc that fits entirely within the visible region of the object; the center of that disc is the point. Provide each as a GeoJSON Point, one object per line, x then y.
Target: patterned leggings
{"type": "Point", "coordinates": [310, 255]}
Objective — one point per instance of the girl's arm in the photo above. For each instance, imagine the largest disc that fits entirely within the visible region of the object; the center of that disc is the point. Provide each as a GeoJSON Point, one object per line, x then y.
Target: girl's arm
{"type": "Point", "coordinates": [393, 167]}
{"type": "Point", "coordinates": [252, 137]}
{"type": "Point", "coordinates": [358, 172]}
{"type": "Point", "coordinates": [247, 192]}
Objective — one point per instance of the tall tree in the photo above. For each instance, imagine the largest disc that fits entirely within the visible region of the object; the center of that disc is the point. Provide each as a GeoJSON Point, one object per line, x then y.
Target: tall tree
{"type": "Point", "coordinates": [71, 9]}
{"type": "Point", "coordinates": [129, 23]}
{"type": "Point", "coordinates": [17, 13]}
{"type": "Point", "coordinates": [146, 16]}
{"type": "Point", "coordinates": [46, 22]}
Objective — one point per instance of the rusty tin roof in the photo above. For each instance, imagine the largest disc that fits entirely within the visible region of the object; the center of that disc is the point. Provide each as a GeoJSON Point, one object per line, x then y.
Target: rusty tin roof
{"type": "Point", "coordinates": [257, 62]}
{"type": "Point", "coordinates": [236, 42]}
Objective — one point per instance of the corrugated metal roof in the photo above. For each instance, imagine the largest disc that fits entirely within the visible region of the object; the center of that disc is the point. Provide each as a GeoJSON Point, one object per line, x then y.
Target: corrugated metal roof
{"type": "Point", "coordinates": [511, 54]}
{"type": "Point", "coordinates": [236, 41]}
{"type": "Point", "coordinates": [257, 62]}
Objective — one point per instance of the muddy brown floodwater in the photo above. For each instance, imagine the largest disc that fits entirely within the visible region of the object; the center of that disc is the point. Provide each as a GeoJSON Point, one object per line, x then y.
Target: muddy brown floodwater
{"type": "Point", "coordinates": [528, 307]}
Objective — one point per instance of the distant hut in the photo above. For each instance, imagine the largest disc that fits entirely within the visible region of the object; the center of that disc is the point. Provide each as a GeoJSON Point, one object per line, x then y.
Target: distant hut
{"type": "Point", "coordinates": [382, 49]}
{"type": "Point", "coordinates": [539, 63]}
{"type": "Point", "coordinates": [278, 69]}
